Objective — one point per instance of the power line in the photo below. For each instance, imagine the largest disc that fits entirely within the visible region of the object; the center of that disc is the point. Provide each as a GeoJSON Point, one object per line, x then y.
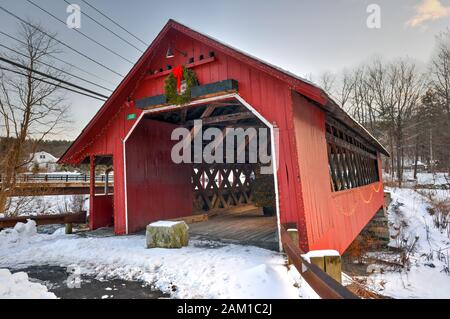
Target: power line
{"type": "Point", "coordinates": [18, 65]}
{"type": "Point", "coordinates": [59, 41]}
{"type": "Point", "coordinates": [54, 84]}
{"type": "Point", "coordinates": [53, 67]}
{"type": "Point", "coordinates": [110, 19]}
{"type": "Point", "coordinates": [106, 28]}
{"type": "Point", "coordinates": [62, 61]}
{"type": "Point", "coordinates": [83, 34]}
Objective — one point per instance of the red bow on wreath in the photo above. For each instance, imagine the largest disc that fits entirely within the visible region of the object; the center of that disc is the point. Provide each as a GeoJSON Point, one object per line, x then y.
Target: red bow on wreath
{"type": "Point", "coordinates": [178, 74]}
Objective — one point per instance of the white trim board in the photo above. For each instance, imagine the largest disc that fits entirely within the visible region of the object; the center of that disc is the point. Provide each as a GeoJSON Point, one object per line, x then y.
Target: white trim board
{"type": "Point", "coordinates": [203, 101]}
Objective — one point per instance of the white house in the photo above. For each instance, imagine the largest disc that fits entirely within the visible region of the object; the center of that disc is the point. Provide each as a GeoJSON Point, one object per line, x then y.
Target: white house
{"type": "Point", "coordinates": [45, 161]}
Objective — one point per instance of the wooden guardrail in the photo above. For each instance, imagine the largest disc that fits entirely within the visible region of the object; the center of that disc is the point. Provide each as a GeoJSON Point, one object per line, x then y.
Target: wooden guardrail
{"type": "Point", "coordinates": [325, 286]}
{"type": "Point", "coordinates": [71, 218]}
{"type": "Point", "coordinates": [68, 178]}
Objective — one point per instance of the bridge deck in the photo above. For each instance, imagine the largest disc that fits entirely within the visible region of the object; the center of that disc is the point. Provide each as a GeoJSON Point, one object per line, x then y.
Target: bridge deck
{"type": "Point", "coordinates": [248, 228]}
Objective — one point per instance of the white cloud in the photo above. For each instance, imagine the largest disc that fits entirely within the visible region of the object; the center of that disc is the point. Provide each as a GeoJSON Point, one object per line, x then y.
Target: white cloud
{"type": "Point", "coordinates": [428, 10]}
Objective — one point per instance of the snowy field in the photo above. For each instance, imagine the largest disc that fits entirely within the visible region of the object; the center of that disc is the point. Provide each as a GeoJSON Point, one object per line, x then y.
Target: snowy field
{"type": "Point", "coordinates": [412, 228]}
{"type": "Point", "coordinates": [204, 269]}
{"type": "Point", "coordinates": [419, 266]}
{"type": "Point", "coordinates": [50, 205]}
{"type": "Point", "coordinates": [423, 178]}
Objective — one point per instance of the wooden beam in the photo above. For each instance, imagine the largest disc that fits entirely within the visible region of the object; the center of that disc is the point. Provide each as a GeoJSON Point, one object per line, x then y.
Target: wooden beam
{"type": "Point", "coordinates": [151, 75]}
{"type": "Point", "coordinates": [224, 118]}
{"type": "Point", "coordinates": [208, 111]}
{"type": "Point", "coordinates": [347, 145]}
{"type": "Point", "coordinates": [183, 115]}
{"type": "Point", "coordinates": [242, 147]}
{"type": "Point", "coordinates": [197, 92]}
{"type": "Point", "coordinates": [350, 132]}
{"type": "Point", "coordinates": [76, 218]}
{"type": "Point", "coordinates": [192, 219]}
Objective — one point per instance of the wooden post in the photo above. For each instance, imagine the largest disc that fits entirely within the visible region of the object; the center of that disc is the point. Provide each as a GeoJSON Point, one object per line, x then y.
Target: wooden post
{"type": "Point", "coordinates": [331, 264]}
{"type": "Point", "coordinates": [91, 191]}
{"type": "Point", "coordinates": [293, 233]}
{"type": "Point", "coordinates": [318, 261]}
{"type": "Point", "coordinates": [333, 267]}
{"type": "Point", "coordinates": [69, 228]}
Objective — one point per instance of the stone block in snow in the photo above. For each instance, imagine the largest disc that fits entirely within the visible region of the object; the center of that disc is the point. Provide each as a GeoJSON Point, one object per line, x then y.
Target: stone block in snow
{"type": "Point", "coordinates": [167, 234]}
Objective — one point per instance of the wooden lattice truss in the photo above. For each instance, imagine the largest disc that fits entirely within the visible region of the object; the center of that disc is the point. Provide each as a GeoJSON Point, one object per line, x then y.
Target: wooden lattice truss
{"type": "Point", "coordinates": [218, 186]}
{"type": "Point", "coordinates": [352, 160]}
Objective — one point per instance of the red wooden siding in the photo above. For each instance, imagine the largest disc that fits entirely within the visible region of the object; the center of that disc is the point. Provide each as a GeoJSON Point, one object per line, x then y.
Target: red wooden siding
{"type": "Point", "coordinates": [333, 219]}
{"type": "Point", "coordinates": [102, 206]}
{"type": "Point", "coordinates": [157, 188]}
{"type": "Point", "coordinates": [326, 220]}
{"type": "Point", "coordinates": [269, 96]}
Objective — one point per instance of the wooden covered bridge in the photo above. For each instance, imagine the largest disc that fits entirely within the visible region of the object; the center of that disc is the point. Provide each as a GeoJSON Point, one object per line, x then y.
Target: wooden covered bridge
{"type": "Point", "coordinates": [327, 175]}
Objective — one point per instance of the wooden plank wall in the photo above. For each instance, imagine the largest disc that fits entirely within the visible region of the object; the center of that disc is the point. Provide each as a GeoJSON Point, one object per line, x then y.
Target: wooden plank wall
{"type": "Point", "coordinates": [157, 188]}
{"type": "Point", "coordinates": [270, 96]}
{"type": "Point", "coordinates": [333, 219]}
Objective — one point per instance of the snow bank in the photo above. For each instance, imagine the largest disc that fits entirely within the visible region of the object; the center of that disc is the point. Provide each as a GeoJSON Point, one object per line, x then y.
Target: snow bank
{"type": "Point", "coordinates": [17, 286]}
{"type": "Point", "coordinates": [319, 253]}
{"type": "Point", "coordinates": [20, 232]}
{"type": "Point", "coordinates": [204, 269]}
{"type": "Point", "coordinates": [38, 205]}
{"type": "Point", "coordinates": [426, 276]}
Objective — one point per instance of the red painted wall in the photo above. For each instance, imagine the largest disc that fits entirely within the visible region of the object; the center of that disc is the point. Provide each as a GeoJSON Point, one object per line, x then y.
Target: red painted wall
{"type": "Point", "coordinates": [157, 188]}
{"type": "Point", "coordinates": [102, 206]}
{"type": "Point", "coordinates": [110, 142]}
{"type": "Point", "coordinates": [302, 148]}
{"type": "Point", "coordinates": [333, 219]}
{"type": "Point", "coordinates": [268, 95]}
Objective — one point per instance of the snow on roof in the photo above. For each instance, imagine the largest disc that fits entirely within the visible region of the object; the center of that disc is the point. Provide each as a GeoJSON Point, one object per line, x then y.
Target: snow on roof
{"type": "Point", "coordinates": [43, 157]}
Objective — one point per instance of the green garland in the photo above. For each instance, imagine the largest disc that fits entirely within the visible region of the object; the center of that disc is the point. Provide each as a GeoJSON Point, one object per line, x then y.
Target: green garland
{"type": "Point", "coordinates": [170, 87]}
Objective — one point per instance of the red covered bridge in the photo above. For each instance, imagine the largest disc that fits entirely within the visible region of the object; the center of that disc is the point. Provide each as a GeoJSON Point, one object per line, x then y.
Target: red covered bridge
{"type": "Point", "coordinates": [328, 173]}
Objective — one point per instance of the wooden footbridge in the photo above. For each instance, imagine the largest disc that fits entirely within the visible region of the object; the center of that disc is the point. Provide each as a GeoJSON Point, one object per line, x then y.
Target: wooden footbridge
{"type": "Point", "coordinates": [58, 184]}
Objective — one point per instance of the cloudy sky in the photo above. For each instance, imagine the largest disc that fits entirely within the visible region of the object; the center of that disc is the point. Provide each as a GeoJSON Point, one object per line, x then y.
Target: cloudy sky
{"type": "Point", "coordinates": [304, 37]}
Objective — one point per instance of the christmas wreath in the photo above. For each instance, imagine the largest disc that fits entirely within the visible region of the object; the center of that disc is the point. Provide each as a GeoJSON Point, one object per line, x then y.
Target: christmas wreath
{"type": "Point", "coordinates": [172, 85]}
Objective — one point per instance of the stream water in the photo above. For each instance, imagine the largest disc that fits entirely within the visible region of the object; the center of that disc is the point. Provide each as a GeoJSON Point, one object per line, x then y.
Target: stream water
{"type": "Point", "coordinates": [59, 281]}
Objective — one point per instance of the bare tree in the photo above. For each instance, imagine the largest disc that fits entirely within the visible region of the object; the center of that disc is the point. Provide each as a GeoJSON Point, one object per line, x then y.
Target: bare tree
{"type": "Point", "coordinates": [397, 87]}
{"type": "Point", "coordinates": [327, 81]}
{"type": "Point", "coordinates": [31, 108]}
{"type": "Point", "coordinates": [440, 80]}
{"type": "Point", "coordinates": [345, 88]}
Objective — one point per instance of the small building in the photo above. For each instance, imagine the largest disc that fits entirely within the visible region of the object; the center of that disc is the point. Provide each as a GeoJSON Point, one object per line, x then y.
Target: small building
{"type": "Point", "coordinates": [326, 168]}
{"type": "Point", "coordinates": [43, 161]}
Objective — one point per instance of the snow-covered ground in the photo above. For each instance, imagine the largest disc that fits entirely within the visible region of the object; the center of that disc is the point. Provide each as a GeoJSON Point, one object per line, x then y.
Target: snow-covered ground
{"type": "Point", "coordinates": [423, 178]}
{"type": "Point", "coordinates": [17, 285]}
{"type": "Point", "coordinates": [428, 178]}
{"type": "Point", "coordinates": [54, 204]}
{"type": "Point", "coordinates": [204, 269]}
{"type": "Point", "coordinates": [427, 274]}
